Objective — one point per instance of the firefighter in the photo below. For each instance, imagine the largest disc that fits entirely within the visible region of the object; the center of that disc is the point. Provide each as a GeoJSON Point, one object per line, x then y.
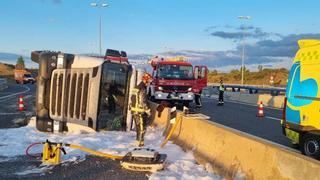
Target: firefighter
{"type": "Point", "coordinates": [221, 91]}
{"type": "Point", "coordinates": [139, 108]}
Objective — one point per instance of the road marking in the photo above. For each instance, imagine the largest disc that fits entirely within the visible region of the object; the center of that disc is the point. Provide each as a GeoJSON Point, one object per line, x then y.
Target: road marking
{"type": "Point", "coordinates": [269, 117]}
{"type": "Point", "coordinates": [277, 119]}
{"type": "Point", "coordinates": [11, 95]}
{"type": "Point", "coordinates": [238, 102]}
{"type": "Point", "coordinates": [9, 113]}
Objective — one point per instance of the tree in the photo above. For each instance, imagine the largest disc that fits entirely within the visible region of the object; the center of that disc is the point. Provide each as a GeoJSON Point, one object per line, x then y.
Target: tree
{"type": "Point", "coordinates": [20, 63]}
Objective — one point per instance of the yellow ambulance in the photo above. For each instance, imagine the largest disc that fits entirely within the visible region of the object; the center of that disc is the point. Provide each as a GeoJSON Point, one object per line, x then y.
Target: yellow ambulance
{"type": "Point", "coordinates": [301, 113]}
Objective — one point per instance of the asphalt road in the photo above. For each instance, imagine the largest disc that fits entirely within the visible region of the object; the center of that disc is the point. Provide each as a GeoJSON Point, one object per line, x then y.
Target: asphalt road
{"type": "Point", "coordinates": [10, 116]}
{"type": "Point", "coordinates": [91, 168]}
{"type": "Point", "coordinates": [242, 117]}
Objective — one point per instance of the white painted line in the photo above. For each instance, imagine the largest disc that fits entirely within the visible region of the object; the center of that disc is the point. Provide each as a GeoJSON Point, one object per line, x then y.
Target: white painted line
{"type": "Point", "coordinates": [11, 95]}
{"type": "Point", "coordinates": [9, 113]}
{"type": "Point", "coordinates": [277, 119]}
{"type": "Point", "coordinates": [269, 117]}
{"type": "Point", "coordinates": [238, 102]}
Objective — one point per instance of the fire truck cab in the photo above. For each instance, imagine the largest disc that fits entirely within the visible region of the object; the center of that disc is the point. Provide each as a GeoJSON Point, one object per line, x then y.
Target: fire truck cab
{"type": "Point", "coordinates": [176, 80]}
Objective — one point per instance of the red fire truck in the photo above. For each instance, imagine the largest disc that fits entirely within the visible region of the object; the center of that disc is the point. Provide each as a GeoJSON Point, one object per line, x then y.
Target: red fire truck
{"type": "Point", "coordinates": [176, 80]}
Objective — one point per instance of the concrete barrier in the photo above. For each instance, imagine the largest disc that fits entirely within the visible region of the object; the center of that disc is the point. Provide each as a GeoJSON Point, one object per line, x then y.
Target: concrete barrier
{"type": "Point", "coordinates": [227, 151]}
{"type": "Point", "coordinates": [267, 99]}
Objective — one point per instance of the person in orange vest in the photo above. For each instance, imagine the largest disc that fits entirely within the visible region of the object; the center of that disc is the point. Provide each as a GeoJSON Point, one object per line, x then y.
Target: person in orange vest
{"type": "Point", "coordinates": [139, 108]}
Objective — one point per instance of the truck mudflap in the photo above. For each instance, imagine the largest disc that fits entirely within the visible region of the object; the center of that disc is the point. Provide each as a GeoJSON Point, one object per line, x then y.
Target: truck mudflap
{"type": "Point", "coordinates": [292, 135]}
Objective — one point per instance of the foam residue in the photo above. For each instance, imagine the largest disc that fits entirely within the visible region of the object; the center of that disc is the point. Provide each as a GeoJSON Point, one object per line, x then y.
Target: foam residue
{"type": "Point", "coordinates": [179, 164]}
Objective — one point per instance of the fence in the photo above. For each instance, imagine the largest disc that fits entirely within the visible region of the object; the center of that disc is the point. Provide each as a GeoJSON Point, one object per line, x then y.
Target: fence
{"type": "Point", "coordinates": [254, 89]}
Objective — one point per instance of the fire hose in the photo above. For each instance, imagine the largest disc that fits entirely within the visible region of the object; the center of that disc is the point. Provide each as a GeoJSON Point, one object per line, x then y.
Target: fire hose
{"type": "Point", "coordinates": [140, 159]}
{"type": "Point", "coordinates": [175, 124]}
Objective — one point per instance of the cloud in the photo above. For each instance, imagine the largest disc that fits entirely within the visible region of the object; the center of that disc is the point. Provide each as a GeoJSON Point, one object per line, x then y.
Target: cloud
{"type": "Point", "coordinates": [237, 32]}
{"type": "Point", "coordinates": [267, 52]}
{"type": "Point", "coordinates": [286, 46]}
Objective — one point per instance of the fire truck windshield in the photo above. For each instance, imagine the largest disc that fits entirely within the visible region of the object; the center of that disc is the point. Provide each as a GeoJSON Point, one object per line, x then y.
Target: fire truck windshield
{"type": "Point", "coordinates": [173, 71]}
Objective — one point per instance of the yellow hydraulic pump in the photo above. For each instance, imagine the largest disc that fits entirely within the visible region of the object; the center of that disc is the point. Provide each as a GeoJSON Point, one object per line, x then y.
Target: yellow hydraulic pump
{"type": "Point", "coordinates": [52, 153]}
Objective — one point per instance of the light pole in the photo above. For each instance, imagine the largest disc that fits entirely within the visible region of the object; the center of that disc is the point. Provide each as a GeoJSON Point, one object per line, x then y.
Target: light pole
{"type": "Point", "coordinates": [243, 44]}
{"type": "Point", "coordinates": [103, 5]}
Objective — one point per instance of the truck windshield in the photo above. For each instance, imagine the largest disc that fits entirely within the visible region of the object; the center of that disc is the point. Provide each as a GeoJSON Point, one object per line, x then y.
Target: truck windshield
{"type": "Point", "coordinates": [173, 71]}
{"type": "Point", "coordinates": [113, 91]}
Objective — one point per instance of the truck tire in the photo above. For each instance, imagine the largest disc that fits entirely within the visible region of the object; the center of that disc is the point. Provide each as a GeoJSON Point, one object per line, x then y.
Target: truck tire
{"type": "Point", "coordinates": [310, 145]}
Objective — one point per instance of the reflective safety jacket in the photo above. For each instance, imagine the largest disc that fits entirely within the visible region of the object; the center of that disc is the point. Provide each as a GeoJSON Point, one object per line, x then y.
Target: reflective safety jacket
{"type": "Point", "coordinates": [139, 102]}
{"type": "Point", "coordinates": [221, 87]}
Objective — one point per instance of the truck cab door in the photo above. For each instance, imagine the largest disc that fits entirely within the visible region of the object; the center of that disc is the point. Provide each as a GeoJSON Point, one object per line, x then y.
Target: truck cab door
{"type": "Point", "coordinates": [201, 77]}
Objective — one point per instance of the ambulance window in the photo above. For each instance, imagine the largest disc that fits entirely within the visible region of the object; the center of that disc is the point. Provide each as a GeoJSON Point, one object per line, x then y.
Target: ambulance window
{"type": "Point", "coordinates": [294, 73]}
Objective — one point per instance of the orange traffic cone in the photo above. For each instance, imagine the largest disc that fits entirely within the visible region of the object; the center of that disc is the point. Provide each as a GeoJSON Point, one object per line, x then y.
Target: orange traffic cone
{"type": "Point", "coordinates": [260, 110]}
{"type": "Point", "coordinates": [21, 103]}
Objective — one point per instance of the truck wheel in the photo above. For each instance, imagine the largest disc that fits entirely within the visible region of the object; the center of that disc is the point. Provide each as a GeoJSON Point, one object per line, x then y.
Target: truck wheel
{"type": "Point", "coordinates": [310, 145]}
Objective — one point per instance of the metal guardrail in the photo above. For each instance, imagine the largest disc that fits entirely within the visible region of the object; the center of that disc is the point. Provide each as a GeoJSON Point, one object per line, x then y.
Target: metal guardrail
{"type": "Point", "coordinates": [3, 84]}
{"type": "Point", "coordinates": [253, 89]}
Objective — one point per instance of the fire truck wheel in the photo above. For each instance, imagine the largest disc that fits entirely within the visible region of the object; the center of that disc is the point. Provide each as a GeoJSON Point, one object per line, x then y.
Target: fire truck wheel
{"type": "Point", "coordinates": [310, 145]}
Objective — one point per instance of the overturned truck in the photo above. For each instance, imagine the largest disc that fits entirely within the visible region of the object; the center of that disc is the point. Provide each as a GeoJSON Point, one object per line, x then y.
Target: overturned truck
{"type": "Point", "coordinates": [90, 91]}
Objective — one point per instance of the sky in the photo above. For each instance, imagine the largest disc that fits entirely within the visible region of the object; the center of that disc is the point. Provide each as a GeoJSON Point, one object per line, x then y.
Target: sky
{"type": "Point", "coordinates": [206, 31]}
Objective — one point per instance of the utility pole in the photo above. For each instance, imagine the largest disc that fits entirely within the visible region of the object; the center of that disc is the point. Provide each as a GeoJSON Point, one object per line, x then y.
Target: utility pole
{"type": "Point", "coordinates": [243, 46]}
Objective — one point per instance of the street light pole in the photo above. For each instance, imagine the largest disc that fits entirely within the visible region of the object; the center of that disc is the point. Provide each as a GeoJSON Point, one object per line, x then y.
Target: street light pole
{"type": "Point", "coordinates": [103, 5]}
{"type": "Point", "coordinates": [100, 35]}
{"type": "Point", "coordinates": [243, 47]}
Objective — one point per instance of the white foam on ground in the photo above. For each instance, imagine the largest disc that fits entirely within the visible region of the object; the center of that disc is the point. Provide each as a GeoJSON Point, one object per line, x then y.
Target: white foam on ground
{"type": "Point", "coordinates": [179, 165]}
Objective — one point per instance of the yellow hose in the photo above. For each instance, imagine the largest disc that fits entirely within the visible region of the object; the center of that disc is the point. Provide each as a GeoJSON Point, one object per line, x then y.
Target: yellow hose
{"type": "Point", "coordinates": [179, 117]}
{"type": "Point", "coordinates": [97, 153]}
